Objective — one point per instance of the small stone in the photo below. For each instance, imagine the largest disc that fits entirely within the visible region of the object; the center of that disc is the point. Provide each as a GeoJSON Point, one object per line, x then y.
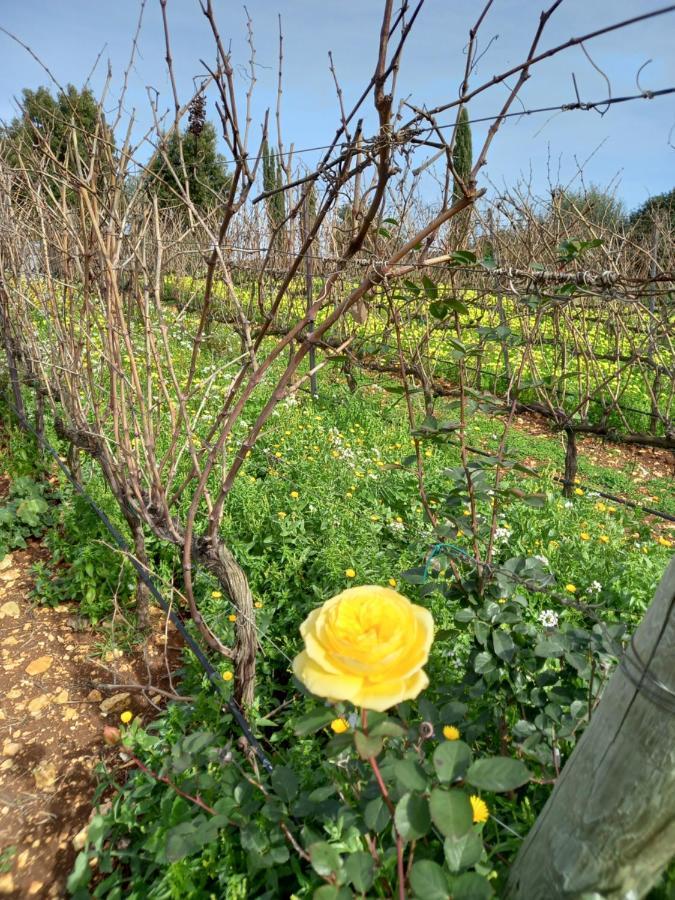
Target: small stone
{"type": "Point", "coordinates": [22, 859]}
{"type": "Point", "coordinates": [111, 703]}
{"type": "Point", "coordinates": [45, 776]}
{"type": "Point", "coordinates": [38, 704]}
{"type": "Point", "coordinates": [10, 748]}
{"type": "Point", "coordinates": [6, 562]}
{"type": "Point", "coordinates": [35, 887]}
{"type": "Point", "coordinates": [95, 695]}
{"type": "Point", "coordinates": [10, 610]}
{"type": "Point", "coordinates": [61, 697]}
{"type": "Point", "coordinates": [7, 883]}
{"type": "Point", "coordinates": [39, 665]}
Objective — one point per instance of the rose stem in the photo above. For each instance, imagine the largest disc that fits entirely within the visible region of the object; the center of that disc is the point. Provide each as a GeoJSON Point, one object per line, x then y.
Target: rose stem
{"type": "Point", "coordinates": [390, 806]}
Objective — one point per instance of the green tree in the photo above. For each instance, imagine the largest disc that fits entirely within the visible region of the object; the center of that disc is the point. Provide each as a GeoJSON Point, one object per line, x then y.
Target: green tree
{"type": "Point", "coordinates": [462, 154]}
{"type": "Point", "coordinates": [200, 167]}
{"type": "Point", "coordinates": [594, 205]}
{"type": "Point", "coordinates": [660, 207]}
{"type": "Point", "coordinates": [272, 180]}
{"type": "Point", "coordinates": [52, 127]}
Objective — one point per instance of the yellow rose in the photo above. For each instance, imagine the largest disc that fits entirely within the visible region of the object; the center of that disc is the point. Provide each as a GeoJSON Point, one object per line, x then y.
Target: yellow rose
{"type": "Point", "coordinates": [367, 645]}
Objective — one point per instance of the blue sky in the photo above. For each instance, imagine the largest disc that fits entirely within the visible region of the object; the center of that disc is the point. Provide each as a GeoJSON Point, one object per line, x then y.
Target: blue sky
{"type": "Point", "coordinates": [630, 143]}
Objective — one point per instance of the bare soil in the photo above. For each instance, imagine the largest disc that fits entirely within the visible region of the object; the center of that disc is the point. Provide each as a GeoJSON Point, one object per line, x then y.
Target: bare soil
{"type": "Point", "coordinates": [52, 716]}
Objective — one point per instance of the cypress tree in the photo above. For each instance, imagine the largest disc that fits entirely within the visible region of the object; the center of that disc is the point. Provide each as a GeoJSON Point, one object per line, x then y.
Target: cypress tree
{"type": "Point", "coordinates": [272, 180]}
{"type": "Point", "coordinates": [462, 154]}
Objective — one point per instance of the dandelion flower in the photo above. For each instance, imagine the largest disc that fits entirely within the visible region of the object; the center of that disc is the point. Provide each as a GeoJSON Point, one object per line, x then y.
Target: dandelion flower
{"type": "Point", "coordinates": [126, 717]}
{"type": "Point", "coordinates": [258, 604]}
{"type": "Point", "coordinates": [350, 573]}
{"type": "Point", "coordinates": [393, 582]}
{"type": "Point", "coordinates": [571, 588]}
{"type": "Point", "coordinates": [603, 539]}
{"type": "Point", "coordinates": [339, 726]}
{"type": "Point", "coordinates": [664, 542]}
{"type": "Point", "coordinates": [282, 515]}
{"type": "Point", "coordinates": [232, 617]}
{"type": "Point", "coordinates": [481, 813]}
{"type": "Point", "coordinates": [227, 676]}
{"type": "Point", "coordinates": [450, 733]}
{"type": "Point", "coordinates": [295, 495]}
{"type": "Point", "coordinates": [216, 595]}
{"type": "Point", "coordinates": [585, 536]}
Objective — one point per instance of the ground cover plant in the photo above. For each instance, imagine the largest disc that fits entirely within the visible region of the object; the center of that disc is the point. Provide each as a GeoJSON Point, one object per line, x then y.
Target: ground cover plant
{"type": "Point", "coordinates": [306, 400]}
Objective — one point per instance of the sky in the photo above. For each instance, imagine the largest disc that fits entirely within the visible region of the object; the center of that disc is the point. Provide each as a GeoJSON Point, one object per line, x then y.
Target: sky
{"type": "Point", "coordinates": [631, 147]}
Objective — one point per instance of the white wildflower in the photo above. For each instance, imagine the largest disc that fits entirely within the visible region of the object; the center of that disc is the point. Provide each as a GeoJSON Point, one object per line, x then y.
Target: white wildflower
{"type": "Point", "coordinates": [548, 618]}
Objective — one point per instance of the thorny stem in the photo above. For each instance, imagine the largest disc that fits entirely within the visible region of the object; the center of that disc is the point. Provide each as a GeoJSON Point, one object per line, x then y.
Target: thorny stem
{"type": "Point", "coordinates": [390, 806]}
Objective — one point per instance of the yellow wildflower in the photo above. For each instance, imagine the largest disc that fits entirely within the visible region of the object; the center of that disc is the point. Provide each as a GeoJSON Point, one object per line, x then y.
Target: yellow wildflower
{"type": "Point", "coordinates": [227, 676]}
{"type": "Point", "coordinates": [295, 495]}
{"type": "Point", "coordinates": [664, 541]}
{"type": "Point", "coordinates": [585, 536]}
{"type": "Point", "coordinates": [393, 582]}
{"type": "Point", "coordinates": [126, 717]}
{"type": "Point", "coordinates": [450, 733]}
{"type": "Point", "coordinates": [603, 539]}
{"type": "Point", "coordinates": [232, 617]}
{"type": "Point", "coordinates": [339, 726]}
{"type": "Point", "coordinates": [216, 595]}
{"type": "Point", "coordinates": [258, 604]}
{"type": "Point", "coordinates": [578, 492]}
{"type": "Point", "coordinates": [282, 515]}
{"type": "Point", "coordinates": [571, 588]}
{"type": "Point", "coordinates": [350, 573]}
{"type": "Point", "coordinates": [481, 813]}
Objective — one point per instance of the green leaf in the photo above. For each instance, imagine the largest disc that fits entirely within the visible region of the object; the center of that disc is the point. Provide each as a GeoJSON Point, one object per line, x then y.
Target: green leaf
{"type": "Point", "coordinates": [326, 861]}
{"type": "Point", "coordinates": [457, 306]}
{"type": "Point", "coordinates": [412, 816]}
{"type": "Point", "coordinates": [410, 775]}
{"type": "Point", "coordinates": [498, 773]}
{"type": "Point", "coordinates": [197, 741]}
{"type": "Point", "coordinates": [451, 760]}
{"type": "Point", "coordinates": [332, 892]}
{"type": "Point", "coordinates": [318, 795]}
{"type": "Point", "coordinates": [451, 812]}
{"type": "Point", "coordinates": [430, 289]}
{"type": "Point", "coordinates": [503, 644]}
{"type": "Point", "coordinates": [181, 841]}
{"type": "Point", "coordinates": [549, 647]}
{"type": "Point", "coordinates": [285, 782]}
{"type": "Point", "coordinates": [429, 881]}
{"type": "Point", "coordinates": [439, 309]}
{"type": "Point", "coordinates": [313, 722]}
{"type": "Point", "coordinates": [471, 886]}
{"type": "Point", "coordinates": [462, 852]}
{"type": "Point", "coordinates": [484, 662]}
{"type": "Point", "coordinates": [79, 877]}
{"type": "Point", "coordinates": [463, 258]}
{"type": "Point", "coordinates": [366, 745]}
{"type": "Point", "coordinates": [376, 815]}
{"type": "Point", "coordinates": [360, 870]}
{"type": "Point", "coordinates": [388, 728]}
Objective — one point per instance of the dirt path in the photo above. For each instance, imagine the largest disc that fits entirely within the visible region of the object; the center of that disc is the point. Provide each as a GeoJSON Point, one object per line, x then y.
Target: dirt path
{"type": "Point", "coordinates": [51, 722]}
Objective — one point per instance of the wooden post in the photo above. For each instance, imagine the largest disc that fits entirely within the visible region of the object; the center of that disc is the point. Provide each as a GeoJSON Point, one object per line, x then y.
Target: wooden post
{"type": "Point", "coordinates": [608, 829]}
